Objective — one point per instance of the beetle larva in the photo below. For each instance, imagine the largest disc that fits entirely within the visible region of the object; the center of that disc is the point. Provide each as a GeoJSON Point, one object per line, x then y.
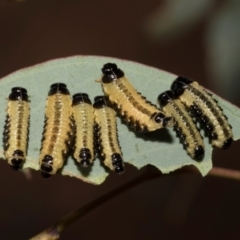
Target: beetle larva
{"type": "Point", "coordinates": [57, 133]}
{"type": "Point", "coordinates": [184, 126]}
{"type": "Point", "coordinates": [15, 135]}
{"type": "Point", "coordinates": [84, 122]}
{"type": "Point", "coordinates": [206, 110]}
{"type": "Point", "coordinates": [106, 135]}
{"type": "Point", "coordinates": [132, 106]}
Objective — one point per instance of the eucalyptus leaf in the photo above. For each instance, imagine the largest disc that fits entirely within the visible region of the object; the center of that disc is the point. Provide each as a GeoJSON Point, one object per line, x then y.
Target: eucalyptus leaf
{"type": "Point", "coordinates": [160, 148]}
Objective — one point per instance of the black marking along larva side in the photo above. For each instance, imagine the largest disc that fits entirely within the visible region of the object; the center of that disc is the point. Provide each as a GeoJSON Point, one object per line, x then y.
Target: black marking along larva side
{"type": "Point", "coordinates": [58, 130]}
{"type": "Point", "coordinates": [16, 129]}
{"type": "Point", "coordinates": [106, 138]}
{"type": "Point", "coordinates": [205, 109]}
{"type": "Point", "coordinates": [132, 106]}
{"type": "Point", "coordinates": [184, 126]}
{"type": "Point", "coordinates": [84, 122]}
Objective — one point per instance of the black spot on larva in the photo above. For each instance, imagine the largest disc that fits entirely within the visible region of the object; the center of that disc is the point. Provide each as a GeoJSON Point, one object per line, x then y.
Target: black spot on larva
{"type": "Point", "coordinates": [227, 144]}
{"type": "Point", "coordinates": [58, 88]}
{"type": "Point", "coordinates": [204, 120]}
{"type": "Point", "coordinates": [80, 98]}
{"type": "Point", "coordinates": [111, 72]}
{"type": "Point", "coordinates": [198, 153]}
{"type": "Point", "coordinates": [209, 127]}
{"type": "Point", "coordinates": [179, 85]}
{"type": "Point", "coordinates": [85, 156]}
{"type": "Point", "coordinates": [117, 162]}
{"type": "Point", "coordinates": [18, 93]}
{"type": "Point", "coordinates": [213, 136]}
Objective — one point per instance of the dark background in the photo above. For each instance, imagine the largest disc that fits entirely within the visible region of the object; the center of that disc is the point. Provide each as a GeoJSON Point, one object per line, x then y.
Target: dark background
{"type": "Point", "coordinates": [174, 206]}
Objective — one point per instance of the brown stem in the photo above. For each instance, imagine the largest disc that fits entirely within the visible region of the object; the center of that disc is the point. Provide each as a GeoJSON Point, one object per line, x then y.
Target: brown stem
{"type": "Point", "coordinates": [149, 174]}
{"type": "Point", "coordinates": [61, 224]}
{"type": "Point", "coordinates": [225, 173]}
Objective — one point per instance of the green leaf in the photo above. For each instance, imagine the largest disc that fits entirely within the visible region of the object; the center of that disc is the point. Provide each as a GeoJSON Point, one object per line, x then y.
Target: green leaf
{"type": "Point", "coordinates": [160, 148]}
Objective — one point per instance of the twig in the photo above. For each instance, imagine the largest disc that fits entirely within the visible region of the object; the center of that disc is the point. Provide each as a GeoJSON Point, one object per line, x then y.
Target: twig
{"type": "Point", "coordinates": [53, 233]}
{"type": "Point", "coordinates": [225, 173]}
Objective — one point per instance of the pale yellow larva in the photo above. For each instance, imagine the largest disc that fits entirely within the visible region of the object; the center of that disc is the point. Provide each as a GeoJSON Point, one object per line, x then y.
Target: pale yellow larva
{"type": "Point", "coordinates": [205, 109]}
{"type": "Point", "coordinates": [184, 126]}
{"type": "Point", "coordinates": [132, 106]}
{"type": "Point", "coordinates": [58, 130]}
{"type": "Point", "coordinates": [16, 129]}
{"type": "Point", "coordinates": [106, 137]}
{"type": "Point", "coordinates": [84, 122]}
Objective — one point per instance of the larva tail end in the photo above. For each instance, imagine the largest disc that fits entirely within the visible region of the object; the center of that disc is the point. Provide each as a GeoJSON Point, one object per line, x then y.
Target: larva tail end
{"type": "Point", "coordinates": [85, 156]}
{"type": "Point", "coordinates": [46, 175]}
{"type": "Point", "coordinates": [198, 153]}
{"type": "Point", "coordinates": [17, 162]}
{"type": "Point", "coordinates": [15, 168]}
{"type": "Point", "coordinates": [117, 163]}
{"type": "Point", "coordinates": [85, 162]}
{"type": "Point", "coordinates": [227, 144]}
{"type": "Point", "coordinates": [46, 167]}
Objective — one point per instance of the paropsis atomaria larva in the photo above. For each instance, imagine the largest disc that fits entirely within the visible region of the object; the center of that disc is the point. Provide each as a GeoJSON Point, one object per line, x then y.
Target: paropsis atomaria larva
{"type": "Point", "coordinates": [184, 126]}
{"type": "Point", "coordinates": [106, 137]}
{"type": "Point", "coordinates": [206, 110]}
{"type": "Point", "coordinates": [58, 130]}
{"type": "Point", "coordinates": [16, 129]}
{"type": "Point", "coordinates": [84, 122]}
{"type": "Point", "coordinates": [132, 106]}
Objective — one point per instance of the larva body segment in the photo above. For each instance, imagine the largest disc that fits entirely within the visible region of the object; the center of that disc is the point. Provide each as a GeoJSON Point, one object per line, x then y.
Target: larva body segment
{"type": "Point", "coordinates": [132, 106]}
{"type": "Point", "coordinates": [58, 130]}
{"type": "Point", "coordinates": [84, 122]}
{"type": "Point", "coordinates": [184, 126]}
{"type": "Point", "coordinates": [16, 129]}
{"type": "Point", "coordinates": [206, 110]}
{"type": "Point", "coordinates": [106, 138]}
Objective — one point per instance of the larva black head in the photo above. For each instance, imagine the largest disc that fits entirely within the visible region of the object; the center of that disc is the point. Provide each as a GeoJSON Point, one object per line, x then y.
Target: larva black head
{"type": "Point", "coordinates": [227, 144]}
{"type": "Point", "coordinates": [80, 98]}
{"type": "Point", "coordinates": [85, 156]}
{"type": "Point", "coordinates": [179, 85]}
{"type": "Point", "coordinates": [161, 118]}
{"type": "Point", "coordinates": [117, 162]}
{"type": "Point", "coordinates": [100, 102]}
{"type": "Point", "coordinates": [111, 72]}
{"type": "Point", "coordinates": [58, 88]}
{"type": "Point", "coordinates": [18, 93]}
{"type": "Point", "coordinates": [198, 153]}
{"type": "Point", "coordinates": [165, 97]}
